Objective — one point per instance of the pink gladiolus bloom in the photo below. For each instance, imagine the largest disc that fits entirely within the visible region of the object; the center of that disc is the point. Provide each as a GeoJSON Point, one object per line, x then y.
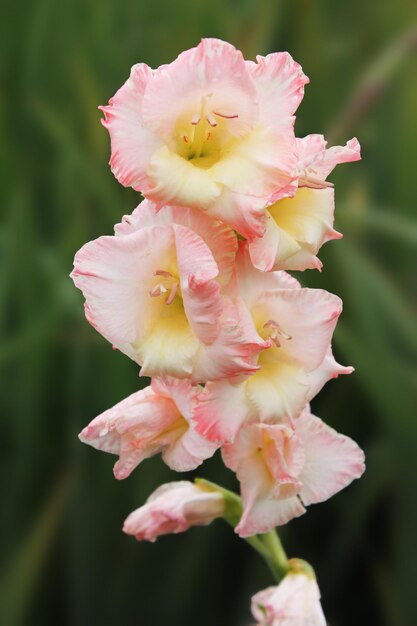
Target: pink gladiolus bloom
{"type": "Point", "coordinates": [210, 130]}
{"type": "Point", "coordinates": [173, 508]}
{"type": "Point", "coordinates": [294, 602]}
{"type": "Point", "coordinates": [297, 325]}
{"type": "Point", "coordinates": [154, 420]}
{"type": "Point", "coordinates": [297, 227]}
{"type": "Point", "coordinates": [282, 469]}
{"type": "Point", "coordinates": [155, 292]}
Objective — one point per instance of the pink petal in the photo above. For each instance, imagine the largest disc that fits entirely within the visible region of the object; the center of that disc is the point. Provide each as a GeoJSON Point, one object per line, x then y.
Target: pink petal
{"type": "Point", "coordinates": [175, 180]}
{"type": "Point", "coordinates": [221, 410]}
{"type": "Point", "coordinates": [262, 164]}
{"type": "Point", "coordinates": [201, 294]}
{"type": "Point", "coordinates": [251, 283]}
{"type": "Point", "coordinates": [214, 70]}
{"type": "Point", "coordinates": [294, 602]}
{"type": "Point", "coordinates": [280, 83]}
{"type": "Point", "coordinates": [114, 274]}
{"type": "Point", "coordinates": [278, 391]}
{"type": "Point", "coordinates": [265, 458]}
{"type": "Point", "coordinates": [327, 370]}
{"type": "Point", "coordinates": [180, 391]}
{"type": "Point", "coordinates": [265, 515]}
{"type": "Point", "coordinates": [318, 162]}
{"type": "Point", "coordinates": [307, 318]}
{"type": "Point", "coordinates": [275, 250]}
{"type": "Point", "coordinates": [243, 213]}
{"type": "Point", "coordinates": [189, 452]}
{"type": "Point", "coordinates": [310, 149]}
{"type": "Point", "coordinates": [220, 239]}
{"type": "Point", "coordinates": [235, 349]}
{"type": "Point", "coordinates": [132, 144]}
{"type": "Point", "coordinates": [333, 460]}
{"type": "Point", "coordinates": [296, 229]}
{"type": "Point", "coordinates": [153, 420]}
{"type": "Point", "coordinates": [103, 433]}
{"type": "Point", "coordinates": [173, 508]}
{"type": "Point", "coordinates": [130, 427]}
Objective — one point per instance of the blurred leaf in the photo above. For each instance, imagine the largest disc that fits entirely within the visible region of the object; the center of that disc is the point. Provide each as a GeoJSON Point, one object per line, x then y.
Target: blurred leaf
{"type": "Point", "coordinates": [21, 576]}
{"type": "Point", "coordinates": [372, 83]}
{"type": "Point", "coordinates": [59, 61]}
{"type": "Point", "coordinates": [375, 485]}
{"type": "Point", "coordinates": [374, 298]}
{"type": "Point", "coordinates": [381, 221]}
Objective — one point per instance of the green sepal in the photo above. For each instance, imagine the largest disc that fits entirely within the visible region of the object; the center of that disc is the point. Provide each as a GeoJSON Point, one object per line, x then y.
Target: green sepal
{"type": "Point", "coordinates": [233, 503]}
{"type": "Point", "coordinates": [299, 566]}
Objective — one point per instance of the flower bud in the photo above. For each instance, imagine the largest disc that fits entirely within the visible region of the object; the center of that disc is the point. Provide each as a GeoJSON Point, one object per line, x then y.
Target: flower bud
{"type": "Point", "coordinates": [295, 601]}
{"type": "Point", "coordinates": [173, 508]}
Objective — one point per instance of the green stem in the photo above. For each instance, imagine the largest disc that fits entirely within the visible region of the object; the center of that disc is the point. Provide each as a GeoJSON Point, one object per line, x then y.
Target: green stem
{"type": "Point", "coordinates": [278, 561]}
{"type": "Point", "coordinates": [267, 545]}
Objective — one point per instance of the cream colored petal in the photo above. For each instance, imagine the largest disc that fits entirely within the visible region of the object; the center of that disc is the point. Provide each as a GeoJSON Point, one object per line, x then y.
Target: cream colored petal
{"type": "Point", "coordinates": [177, 181]}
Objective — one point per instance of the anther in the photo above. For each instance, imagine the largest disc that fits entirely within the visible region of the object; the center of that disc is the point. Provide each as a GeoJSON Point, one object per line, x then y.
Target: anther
{"type": "Point", "coordinates": [156, 291]}
{"type": "Point", "coordinates": [272, 323]}
{"type": "Point", "coordinates": [277, 331]}
{"type": "Point", "coordinates": [211, 119]}
{"type": "Point", "coordinates": [162, 273]}
{"type": "Point", "coordinates": [226, 117]}
{"type": "Point", "coordinates": [275, 339]}
{"type": "Point", "coordinates": [172, 294]}
{"type": "Point", "coordinates": [196, 119]}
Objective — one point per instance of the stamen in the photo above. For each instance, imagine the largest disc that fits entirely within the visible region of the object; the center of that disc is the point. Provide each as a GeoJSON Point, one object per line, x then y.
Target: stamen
{"type": "Point", "coordinates": [172, 294]}
{"type": "Point", "coordinates": [185, 138]}
{"type": "Point", "coordinates": [155, 291]}
{"type": "Point", "coordinates": [313, 183]}
{"type": "Point", "coordinates": [211, 119]}
{"type": "Point", "coordinates": [277, 331]}
{"type": "Point", "coordinates": [226, 117]}
{"type": "Point", "coordinates": [275, 339]}
{"type": "Point", "coordinates": [162, 273]}
{"type": "Point", "coordinates": [272, 323]}
{"type": "Point", "coordinates": [196, 119]}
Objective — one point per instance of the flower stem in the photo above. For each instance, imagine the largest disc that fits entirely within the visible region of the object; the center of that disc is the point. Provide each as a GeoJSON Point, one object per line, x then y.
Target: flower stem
{"type": "Point", "coordinates": [268, 545]}
{"type": "Point", "coordinates": [277, 559]}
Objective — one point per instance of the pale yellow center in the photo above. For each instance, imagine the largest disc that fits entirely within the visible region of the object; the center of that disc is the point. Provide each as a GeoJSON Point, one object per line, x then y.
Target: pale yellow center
{"type": "Point", "coordinates": [203, 136]}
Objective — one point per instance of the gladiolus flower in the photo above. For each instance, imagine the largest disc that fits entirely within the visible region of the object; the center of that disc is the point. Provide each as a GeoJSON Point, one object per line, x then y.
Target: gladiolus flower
{"type": "Point", "coordinates": [294, 602]}
{"type": "Point", "coordinates": [211, 131]}
{"type": "Point", "coordinates": [297, 227]}
{"type": "Point", "coordinates": [157, 419]}
{"type": "Point", "coordinates": [282, 469]}
{"type": "Point", "coordinates": [297, 325]}
{"type": "Point", "coordinates": [173, 508]}
{"type": "Point", "coordinates": [154, 291]}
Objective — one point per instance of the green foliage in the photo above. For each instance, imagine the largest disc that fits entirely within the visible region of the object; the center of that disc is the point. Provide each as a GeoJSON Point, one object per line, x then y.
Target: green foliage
{"type": "Point", "coordinates": [64, 559]}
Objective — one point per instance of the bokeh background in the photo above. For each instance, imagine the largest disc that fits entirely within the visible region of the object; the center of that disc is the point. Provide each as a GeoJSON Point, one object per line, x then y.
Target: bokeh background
{"type": "Point", "coordinates": [63, 558]}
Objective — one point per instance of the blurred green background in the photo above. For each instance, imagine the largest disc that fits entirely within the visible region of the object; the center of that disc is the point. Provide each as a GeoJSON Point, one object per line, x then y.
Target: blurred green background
{"type": "Point", "coordinates": [64, 559]}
